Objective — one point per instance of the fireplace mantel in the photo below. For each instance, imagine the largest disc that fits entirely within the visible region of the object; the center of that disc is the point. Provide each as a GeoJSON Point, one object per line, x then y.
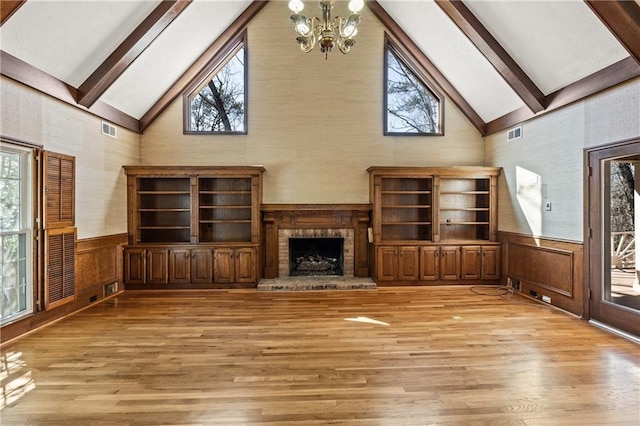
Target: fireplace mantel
{"type": "Point", "coordinates": [276, 217]}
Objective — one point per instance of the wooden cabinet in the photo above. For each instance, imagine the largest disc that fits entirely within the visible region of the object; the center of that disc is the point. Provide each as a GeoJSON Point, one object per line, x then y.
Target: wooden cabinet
{"type": "Point", "coordinates": [135, 266]}
{"type": "Point", "coordinates": [470, 266]}
{"type": "Point", "coordinates": [435, 224]}
{"type": "Point", "coordinates": [185, 220]}
{"type": "Point", "coordinates": [491, 262]}
{"type": "Point", "coordinates": [190, 266]}
{"type": "Point", "coordinates": [450, 263]}
{"type": "Point", "coordinates": [234, 265]}
{"type": "Point", "coordinates": [429, 263]}
{"type": "Point", "coordinates": [398, 263]}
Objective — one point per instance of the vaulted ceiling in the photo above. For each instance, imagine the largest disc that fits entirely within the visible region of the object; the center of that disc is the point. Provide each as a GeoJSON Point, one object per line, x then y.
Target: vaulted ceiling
{"type": "Point", "coordinates": [501, 62]}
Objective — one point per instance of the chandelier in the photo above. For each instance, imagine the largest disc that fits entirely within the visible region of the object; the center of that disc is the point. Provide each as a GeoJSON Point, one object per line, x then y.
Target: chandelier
{"type": "Point", "coordinates": [326, 32]}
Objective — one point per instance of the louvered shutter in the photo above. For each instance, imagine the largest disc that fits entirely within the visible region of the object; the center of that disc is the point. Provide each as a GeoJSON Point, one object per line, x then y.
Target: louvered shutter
{"type": "Point", "coordinates": [60, 277]}
{"type": "Point", "coordinates": [59, 190]}
{"type": "Point", "coordinates": [59, 231]}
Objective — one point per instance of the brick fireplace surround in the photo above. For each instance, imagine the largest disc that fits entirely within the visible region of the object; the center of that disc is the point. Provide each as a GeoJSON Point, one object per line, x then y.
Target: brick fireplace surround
{"type": "Point", "coordinates": [283, 221]}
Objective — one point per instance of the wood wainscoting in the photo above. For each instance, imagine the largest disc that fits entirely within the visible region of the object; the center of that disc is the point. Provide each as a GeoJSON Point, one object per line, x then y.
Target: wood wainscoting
{"type": "Point", "coordinates": [545, 267]}
{"type": "Point", "coordinates": [98, 264]}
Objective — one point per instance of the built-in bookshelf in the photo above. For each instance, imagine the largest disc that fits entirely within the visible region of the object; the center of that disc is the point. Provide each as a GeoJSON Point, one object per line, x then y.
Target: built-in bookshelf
{"type": "Point", "coordinates": [163, 208]}
{"type": "Point", "coordinates": [193, 225]}
{"type": "Point", "coordinates": [435, 224]}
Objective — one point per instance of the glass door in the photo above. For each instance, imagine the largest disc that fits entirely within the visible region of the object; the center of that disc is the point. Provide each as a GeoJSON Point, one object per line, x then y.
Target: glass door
{"type": "Point", "coordinates": [613, 215]}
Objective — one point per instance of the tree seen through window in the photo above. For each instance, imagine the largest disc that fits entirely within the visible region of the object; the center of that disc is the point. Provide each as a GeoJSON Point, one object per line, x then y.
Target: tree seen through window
{"type": "Point", "coordinates": [411, 107]}
{"type": "Point", "coordinates": [219, 106]}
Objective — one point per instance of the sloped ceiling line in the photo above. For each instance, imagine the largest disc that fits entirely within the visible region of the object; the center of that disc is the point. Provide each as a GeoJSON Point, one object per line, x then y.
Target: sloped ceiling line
{"type": "Point", "coordinates": [109, 71]}
{"type": "Point", "coordinates": [438, 78]}
{"type": "Point", "coordinates": [196, 68]}
{"type": "Point", "coordinates": [8, 8]}
{"type": "Point", "coordinates": [606, 78]}
{"type": "Point", "coordinates": [623, 20]}
{"type": "Point", "coordinates": [506, 66]}
{"type": "Point", "coordinates": [31, 76]}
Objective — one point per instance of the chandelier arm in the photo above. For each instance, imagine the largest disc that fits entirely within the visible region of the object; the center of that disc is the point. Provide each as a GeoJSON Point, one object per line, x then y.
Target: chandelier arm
{"type": "Point", "coordinates": [326, 32]}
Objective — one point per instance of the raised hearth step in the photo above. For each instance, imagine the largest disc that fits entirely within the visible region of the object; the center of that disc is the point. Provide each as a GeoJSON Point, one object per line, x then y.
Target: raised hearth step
{"type": "Point", "coordinates": [316, 283]}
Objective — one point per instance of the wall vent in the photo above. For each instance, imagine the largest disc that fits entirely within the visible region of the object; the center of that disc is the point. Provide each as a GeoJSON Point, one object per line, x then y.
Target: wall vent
{"type": "Point", "coordinates": [515, 133]}
{"type": "Point", "coordinates": [109, 129]}
{"type": "Point", "coordinates": [110, 289]}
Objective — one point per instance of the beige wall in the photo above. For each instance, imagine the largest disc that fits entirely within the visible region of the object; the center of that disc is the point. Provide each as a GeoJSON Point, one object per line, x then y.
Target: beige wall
{"type": "Point", "coordinates": [546, 164]}
{"type": "Point", "coordinates": [315, 124]}
{"type": "Point", "coordinates": [100, 184]}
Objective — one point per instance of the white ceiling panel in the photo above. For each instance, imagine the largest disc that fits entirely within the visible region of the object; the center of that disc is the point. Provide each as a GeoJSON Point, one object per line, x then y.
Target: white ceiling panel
{"type": "Point", "coordinates": [556, 43]}
{"type": "Point", "coordinates": [167, 58]}
{"type": "Point", "coordinates": [455, 56]}
{"type": "Point", "coordinates": [69, 40]}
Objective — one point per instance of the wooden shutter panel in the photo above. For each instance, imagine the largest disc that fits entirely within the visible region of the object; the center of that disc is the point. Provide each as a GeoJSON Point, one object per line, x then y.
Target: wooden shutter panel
{"type": "Point", "coordinates": [60, 276]}
{"type": "Point", "coordinates": [59, 190]}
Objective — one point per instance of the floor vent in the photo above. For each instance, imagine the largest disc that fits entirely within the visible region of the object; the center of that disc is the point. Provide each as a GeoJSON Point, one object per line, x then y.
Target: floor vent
{"type": "Point", "coordinates": [110, 289]}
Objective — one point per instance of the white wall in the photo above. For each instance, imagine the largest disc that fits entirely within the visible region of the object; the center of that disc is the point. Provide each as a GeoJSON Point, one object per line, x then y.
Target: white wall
{"type": "Point", "coordinates": [315, 124]}
{"type": "Point", "coordinates": [100, 183]}
{"type": "Point", "coordinates": [546, 164]}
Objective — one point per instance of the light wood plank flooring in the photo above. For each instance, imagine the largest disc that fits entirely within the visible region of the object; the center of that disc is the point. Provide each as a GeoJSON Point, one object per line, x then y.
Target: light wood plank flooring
{"type": "Point", "coordinates": [391, 356]}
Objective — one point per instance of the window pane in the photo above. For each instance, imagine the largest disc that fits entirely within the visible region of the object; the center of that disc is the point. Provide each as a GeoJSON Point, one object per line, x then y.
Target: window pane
{"type": "Point", "coordinates": [15, 223]}
{"type": "Point", "coordinates": [411, 107]}
{"type": "Point", "coordinates": [220, 104]}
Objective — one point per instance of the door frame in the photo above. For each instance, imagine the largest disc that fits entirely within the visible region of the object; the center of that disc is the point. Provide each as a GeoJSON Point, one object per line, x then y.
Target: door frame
{"type": "Point", "coordinates": [617, 317]}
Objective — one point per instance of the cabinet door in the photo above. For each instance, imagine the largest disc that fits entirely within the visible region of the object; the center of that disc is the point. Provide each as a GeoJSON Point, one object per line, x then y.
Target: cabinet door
{"type": "Point", "coordinates": [386, 261]}
{"type": "Point", "coordinates": [223, 265]}
{"type": "Point", "coordinates": [134, 266]}
{"type": "Point", "coordinates": [408, 263]}
{"type": "Point", "coordinates": [491, 262]}
{"type": "Point", "coordinates": [429, 263]}
{"type": "Point", "coordinates": [245, 265]}
{"type": "Point", "coordinates": [470, 267]}
{"type": "Point", "coordinates": [201, 266]}
{"type": "Point", "coordinates": [450, 263]}
{"type": "Point", "coordinates": [157, 268]}
{"type": "Point", "coordinates": [179, 266]}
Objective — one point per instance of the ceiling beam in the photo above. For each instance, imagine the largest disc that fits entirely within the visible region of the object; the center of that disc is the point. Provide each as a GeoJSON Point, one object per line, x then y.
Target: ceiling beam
{"type": "Point", "coordinates": [610, 76]}
{"type": "Point", "coordinates": [192, 72]}
{"type": "Point", "coordinates": [26, 74]}
{"type": "Point", "coordinates": [8, 8]}
{"type": "Point", "coordinates": [623, 20]}
{"type": "Point", "coordinates": [109, 71]}
{"type": "Point", "coordinates": [506, 66]}
{"type": "Point", "coordinates": [428, 66]}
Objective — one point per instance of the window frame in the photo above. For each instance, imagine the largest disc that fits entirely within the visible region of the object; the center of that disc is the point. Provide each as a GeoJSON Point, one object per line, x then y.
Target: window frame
{"type": "Point", "coordinates": [28, 214]}
{"type": "Point", "coordinates": [410, 63]}
{"type": "Point", "coordinates": [217, 63]}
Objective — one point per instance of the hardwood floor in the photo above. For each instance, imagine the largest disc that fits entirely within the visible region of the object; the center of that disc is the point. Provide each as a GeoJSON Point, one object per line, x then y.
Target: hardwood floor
{"type": "Point", "coordinates": [391, 356]}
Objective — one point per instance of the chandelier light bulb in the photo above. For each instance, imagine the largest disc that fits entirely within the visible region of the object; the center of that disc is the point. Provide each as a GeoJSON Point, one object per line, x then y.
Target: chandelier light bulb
{"type": "Point", "coordinates": [356, 6]}
{"type": "Point", "coordinates": [326, 32]}
{"type": "Point", "coordinates": [296, 6]}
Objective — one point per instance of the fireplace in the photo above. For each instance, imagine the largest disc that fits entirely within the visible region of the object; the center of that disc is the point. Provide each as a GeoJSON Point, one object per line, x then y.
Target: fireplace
{"type": "Point", "coordinates": [349, 222]}
{"type": "Point", "coordinates": [316, 256]}
{"type": "Point", "coordinates": [320, 239]}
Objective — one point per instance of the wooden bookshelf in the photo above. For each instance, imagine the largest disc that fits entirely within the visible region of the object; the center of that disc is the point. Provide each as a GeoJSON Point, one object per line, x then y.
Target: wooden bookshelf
{"type": "Point", "coordinates": [193, 226]}
{"type": "Point", "coordinates": [435, 224]}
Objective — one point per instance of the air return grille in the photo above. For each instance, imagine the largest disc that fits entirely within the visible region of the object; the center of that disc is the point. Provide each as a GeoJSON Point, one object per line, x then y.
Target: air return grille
{"type": "Point", "coordinates": [108, 129]}
{"type": "Point", "coordinates": [515, 133]}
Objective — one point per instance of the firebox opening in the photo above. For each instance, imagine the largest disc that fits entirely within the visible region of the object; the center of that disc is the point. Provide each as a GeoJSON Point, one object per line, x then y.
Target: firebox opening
{"type": "Point", "coordinates": [316, 256]}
